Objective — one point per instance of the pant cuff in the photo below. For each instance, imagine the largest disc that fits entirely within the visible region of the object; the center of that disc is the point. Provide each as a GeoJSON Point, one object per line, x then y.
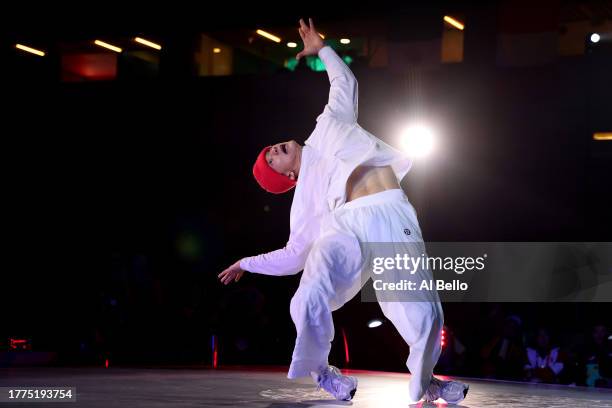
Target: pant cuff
{"type": "Point", "coordinates": [303, 368]}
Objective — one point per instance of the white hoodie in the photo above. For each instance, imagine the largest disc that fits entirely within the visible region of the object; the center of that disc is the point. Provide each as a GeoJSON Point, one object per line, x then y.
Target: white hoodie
{"type": "Point", "coordinates": [334, 149]}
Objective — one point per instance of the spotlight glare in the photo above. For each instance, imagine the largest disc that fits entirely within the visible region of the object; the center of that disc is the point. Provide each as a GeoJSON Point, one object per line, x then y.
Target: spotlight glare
{"type": "Point", "coordinates": [107, 46]}
{"type": "Point", "coordinates": [147, 43]}
{"type": "Point", "coordinates": [454, 22]}
{"type": "Point", "coordinates": [374, 323]}
{"type": "Point", "coordinates": [602, 136]}
{"type": "Point", "coordinates": [216, 50]}
{"type": "Point", "coordinates": [345, 41]}
{"type": "Point", "coordinates": [417, 140]}
{"type": "Point", "coordinates": [30, 50]}
{"type": "Point", "coordinates": [595, 38]}
{"type": "Point", "coordinates": [268, 36]}
{"type": "Point", "coordinates": [291, 45]}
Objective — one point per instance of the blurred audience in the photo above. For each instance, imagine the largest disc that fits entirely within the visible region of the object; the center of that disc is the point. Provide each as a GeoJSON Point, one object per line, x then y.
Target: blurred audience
{"type": "Point", "coordinates": [543, 360]}
{"type": "Point", "coordinates": [503, 355]}
{"type": "Point", "coordinates": [597, 358]}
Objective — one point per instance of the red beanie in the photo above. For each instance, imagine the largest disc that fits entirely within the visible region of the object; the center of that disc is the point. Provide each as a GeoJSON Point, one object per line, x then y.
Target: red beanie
{"type": "Point", "coordinates": [268, 178]}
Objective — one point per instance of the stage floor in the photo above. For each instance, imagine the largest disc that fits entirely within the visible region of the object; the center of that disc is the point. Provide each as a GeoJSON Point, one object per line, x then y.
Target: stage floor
{"type": "Point", "coordinates": [191, 387]}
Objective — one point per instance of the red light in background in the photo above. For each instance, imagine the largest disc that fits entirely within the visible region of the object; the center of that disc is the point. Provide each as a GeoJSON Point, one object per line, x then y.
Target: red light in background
{"type": "Point", "coordinates": [96, 67]}
{"type": "Point", "coordinates": [346, 350]}
{"type": "Point", "coordinates": [19, 344]}
{"type": "Point", "coordinates": [442, 341]}
{"type": "Point", "coordinates": [106, 363]}
{"type": "Point", "coordinates": [214, 351]}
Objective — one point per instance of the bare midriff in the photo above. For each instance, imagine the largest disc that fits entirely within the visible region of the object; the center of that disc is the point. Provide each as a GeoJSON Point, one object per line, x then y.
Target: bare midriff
{"type": "Point", "coordinates": [366, 180]}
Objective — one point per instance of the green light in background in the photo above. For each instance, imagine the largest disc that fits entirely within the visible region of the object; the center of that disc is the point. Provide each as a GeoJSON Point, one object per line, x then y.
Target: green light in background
{"type": "Point", "coordinates": [315, 63]}
{"type": "Point", "coordinates": [189, 246]}
{"type": "Point", "coordinates": [347, 59]}
{"type": "Point", "coordinates": [291, 64]}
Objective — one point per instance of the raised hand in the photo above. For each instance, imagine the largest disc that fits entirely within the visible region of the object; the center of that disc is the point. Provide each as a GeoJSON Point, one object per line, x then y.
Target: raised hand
{"type": "Point", "coordinates": [311, 38]}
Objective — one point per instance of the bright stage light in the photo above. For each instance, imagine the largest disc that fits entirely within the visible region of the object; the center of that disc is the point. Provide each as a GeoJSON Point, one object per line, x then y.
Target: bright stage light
{"type": "Point", "coordinates": [602, 136]}
{"type": "Point", "coordinates": [374, 323]}
{"type": "Point", "coordinates": [216, 50]}
{"type": "Point", "coordinates": [454, 22]}
{"type": "Point", "coordinates": [417, 140]}
{"type": "Point", "coordinates": [268, 36]}
{"type": "Point", "coordinates": [291, 45]}
{"type": "Point", "coordinates": [345, 41]}
{"type": "Point", "coordinates": [30, 50]}
{"type": "Point", "coordinates": [107, 46]}
{"type": "Point", "coordinates": [147, 43]}
{"type": "Point", "coordinates": [595, 38]}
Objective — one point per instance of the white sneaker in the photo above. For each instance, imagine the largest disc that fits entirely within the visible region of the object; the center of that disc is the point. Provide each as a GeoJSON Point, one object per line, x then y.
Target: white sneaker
{"type": "Point", "coordinates": [342, 387]}
{"type": "Point", "coordinates": [452, 392]}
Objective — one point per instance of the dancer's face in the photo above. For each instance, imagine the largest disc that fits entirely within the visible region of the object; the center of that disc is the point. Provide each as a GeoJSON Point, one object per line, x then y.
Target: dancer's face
{"type": "Point", "coordinates": [285, 157]}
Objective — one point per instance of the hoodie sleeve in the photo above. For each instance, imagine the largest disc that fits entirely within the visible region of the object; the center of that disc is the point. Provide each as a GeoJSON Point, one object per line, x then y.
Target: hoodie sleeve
{"type": "Point", "coordinates": [285, 261]}
{"type": "Point", "coordinates": [343, 92]}
{"type": "Point", "coordinates": [292, 258]}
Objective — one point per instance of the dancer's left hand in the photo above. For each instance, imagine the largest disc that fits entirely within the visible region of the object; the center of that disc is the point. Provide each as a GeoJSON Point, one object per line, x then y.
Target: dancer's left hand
{"type": "Point", "coordinates": [311, 38]}
{"type": "Point", "coordinates": [233, 273]}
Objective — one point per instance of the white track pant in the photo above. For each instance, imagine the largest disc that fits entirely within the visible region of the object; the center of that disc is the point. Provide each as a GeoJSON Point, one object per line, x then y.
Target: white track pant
{"type": "Point", "coordinates": [332, 276]}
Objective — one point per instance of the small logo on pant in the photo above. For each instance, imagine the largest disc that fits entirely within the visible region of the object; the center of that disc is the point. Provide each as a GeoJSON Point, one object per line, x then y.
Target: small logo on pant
{"type": "Point", "coordinates": [406, 231]}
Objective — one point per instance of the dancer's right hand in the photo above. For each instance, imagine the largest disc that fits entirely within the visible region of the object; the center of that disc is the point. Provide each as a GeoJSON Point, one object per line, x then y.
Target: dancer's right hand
{"type": "Point", "coordinates": [233, 273]}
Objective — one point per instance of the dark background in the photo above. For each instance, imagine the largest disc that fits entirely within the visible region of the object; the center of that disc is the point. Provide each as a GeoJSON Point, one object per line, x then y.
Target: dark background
{"type": "Point", "coordinates": [122, 200]}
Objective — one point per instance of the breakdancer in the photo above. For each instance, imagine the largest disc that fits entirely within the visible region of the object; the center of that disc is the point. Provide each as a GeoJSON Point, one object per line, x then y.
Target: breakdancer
{"type": "Point", "coordinates": [347, 193]}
